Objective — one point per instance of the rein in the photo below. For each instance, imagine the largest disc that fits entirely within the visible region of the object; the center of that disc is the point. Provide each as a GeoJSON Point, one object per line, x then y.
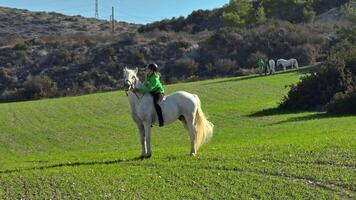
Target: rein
{"type": "Point", "coordinates": [131, 84]}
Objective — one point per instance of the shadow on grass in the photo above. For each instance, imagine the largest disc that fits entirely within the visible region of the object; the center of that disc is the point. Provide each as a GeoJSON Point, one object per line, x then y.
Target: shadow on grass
{"type": "Point", "coordinates": [279, 111]}
{"type": "Point", "coordinates": [304, 118]}
{"type": "Point", "coordinates": [312, 117]}
{"type": "Point", "coordinates": [271, 112]}
{"type": "Point", "coordinates": [70, 164]}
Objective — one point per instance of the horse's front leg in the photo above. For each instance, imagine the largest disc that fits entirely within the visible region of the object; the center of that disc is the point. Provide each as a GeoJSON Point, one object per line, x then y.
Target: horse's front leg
{"type": "Point", "coordinates": [141, 130]}
{"type": "Point", "coordinates": [147, 139]}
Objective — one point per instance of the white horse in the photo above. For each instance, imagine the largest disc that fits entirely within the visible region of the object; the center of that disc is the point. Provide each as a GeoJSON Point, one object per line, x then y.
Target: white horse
{"type": "Point", "coordinates": [271, 66]}
{"type": "Point", "coordinates": [286, 63]}
{"type": "Point", "coordinates": [180, 105]}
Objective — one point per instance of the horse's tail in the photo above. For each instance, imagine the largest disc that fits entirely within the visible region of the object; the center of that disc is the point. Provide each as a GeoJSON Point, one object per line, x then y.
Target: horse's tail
{"type": "Point", "coordinates": [204, 128]}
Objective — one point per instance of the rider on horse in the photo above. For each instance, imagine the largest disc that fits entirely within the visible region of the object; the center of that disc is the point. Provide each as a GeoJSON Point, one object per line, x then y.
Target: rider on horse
{"type": "Point", "coordinates": [154, 86]}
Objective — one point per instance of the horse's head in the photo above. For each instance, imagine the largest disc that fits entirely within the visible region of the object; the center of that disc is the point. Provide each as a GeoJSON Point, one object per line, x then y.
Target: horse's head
{"type": "Point", "coordinates": [278, 62]}
{"type": "Point", "coordinates": [130, 78]}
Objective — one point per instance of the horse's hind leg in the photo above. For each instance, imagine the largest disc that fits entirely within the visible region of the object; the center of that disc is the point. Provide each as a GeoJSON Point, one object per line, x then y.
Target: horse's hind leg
{"type": "Point", "coordinates": [189, 123]}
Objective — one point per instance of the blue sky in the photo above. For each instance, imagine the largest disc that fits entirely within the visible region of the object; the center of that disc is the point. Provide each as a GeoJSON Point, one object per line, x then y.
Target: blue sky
{"type": "Point", "coordinates": [136, 11]}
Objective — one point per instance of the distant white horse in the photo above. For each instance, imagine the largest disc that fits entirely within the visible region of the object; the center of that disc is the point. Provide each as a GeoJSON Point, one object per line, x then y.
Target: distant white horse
{"type": "Point", "coordinates": [180, 105]}
{"type": "Point", "coordinates": [271, 66]}
{"type": "Point", "coordinates": [288, 63]}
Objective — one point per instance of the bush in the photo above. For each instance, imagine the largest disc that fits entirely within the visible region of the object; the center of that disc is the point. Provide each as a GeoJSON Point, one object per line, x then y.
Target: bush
{"type": "Point", "coordinates": [21, 47]}
{"type": "Point", "coordinates": [313, 92]}
{"type": "Point", "coordinates": [39, 86]}
{"type": "Point", "coordinates": [333, 87]}
{"type": "Point", "coordinates": [5, 76]}
{"type": "Point", "coordinates": [349, 10]}
{"type": "Point", "coordinates": [127, 39]}
{"type": "Point", "coordinates": [343, 103]}
{"type": "Point", "coordinates": [59, 57]}
{"type": "Point", "coordinates": [184, 67]}
{"type": "Point", "coordinates": [225, 66]}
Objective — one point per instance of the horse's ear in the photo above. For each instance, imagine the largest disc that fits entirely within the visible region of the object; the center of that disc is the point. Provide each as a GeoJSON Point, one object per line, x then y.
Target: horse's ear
{"type": "Point", "coordinates": [136, 70]}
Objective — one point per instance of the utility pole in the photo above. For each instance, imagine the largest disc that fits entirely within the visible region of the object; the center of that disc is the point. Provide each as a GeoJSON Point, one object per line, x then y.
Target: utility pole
{"type": "Point", "coordinates": [113, 20]}
{"type": "Point", "coordinates": [96, 9]}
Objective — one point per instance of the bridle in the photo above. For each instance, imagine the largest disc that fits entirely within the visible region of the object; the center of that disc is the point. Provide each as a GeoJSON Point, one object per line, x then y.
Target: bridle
{"type": "Point", "coordinates": [129, 86]}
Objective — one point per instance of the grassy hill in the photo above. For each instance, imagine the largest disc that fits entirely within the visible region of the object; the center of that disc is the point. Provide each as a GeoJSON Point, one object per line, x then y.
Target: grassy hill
{"type": "Point", "coordinates": [83, 147]}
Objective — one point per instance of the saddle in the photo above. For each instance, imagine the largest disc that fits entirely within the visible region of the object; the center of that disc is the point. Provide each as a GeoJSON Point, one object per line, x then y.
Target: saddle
{"type": "Point", "coordinates": [161, 97]}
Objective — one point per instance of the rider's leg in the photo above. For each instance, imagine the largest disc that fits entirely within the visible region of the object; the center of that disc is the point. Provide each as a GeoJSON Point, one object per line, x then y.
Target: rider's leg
{"type": "Point", "coordinates": [156, 99]}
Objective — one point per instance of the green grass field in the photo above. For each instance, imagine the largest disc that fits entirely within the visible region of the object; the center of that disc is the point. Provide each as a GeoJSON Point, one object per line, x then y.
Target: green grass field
{"type": "Point", "coordinates": [83, 148]}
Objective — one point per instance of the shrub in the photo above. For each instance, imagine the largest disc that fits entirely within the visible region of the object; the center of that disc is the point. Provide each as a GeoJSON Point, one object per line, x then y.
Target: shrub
{"type": "Point", "coordinates": [312, 92]}
{"type": "Point", "coordinates": [21, 47]}
{"type": "Point", "coordinates": [39, 86]}
{"type": "Point", "coordinates": [184, 67]}
{"type": "Point", "coordinates": [89, 86]}
{"type": "Point", "coordinates": [5, 78]}
{"type": "Point", "coordinates": [127, 39]}
{"type": "Point", "coordinates": [333, 87]}
{"type": "Point", "coordinates": [343, 103]}
{"type": "Point", "coordinates": [349, 10]}
{"type": "Point", "coordinates": [225, 66]}
{"type": "Point", "coordinates": [59, 57]}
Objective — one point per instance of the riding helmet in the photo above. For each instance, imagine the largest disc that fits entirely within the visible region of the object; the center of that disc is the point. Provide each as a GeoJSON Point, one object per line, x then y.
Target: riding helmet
{"type": "Point", "coordinates": [153, 66]}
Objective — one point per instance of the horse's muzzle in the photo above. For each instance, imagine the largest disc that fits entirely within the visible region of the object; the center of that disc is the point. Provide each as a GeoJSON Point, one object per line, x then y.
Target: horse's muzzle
{"type": "Point", "coordinates": [127, 85]}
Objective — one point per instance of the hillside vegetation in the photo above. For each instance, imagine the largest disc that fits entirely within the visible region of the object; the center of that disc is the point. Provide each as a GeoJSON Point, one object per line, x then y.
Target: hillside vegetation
{"type": "Point", "coordinates": [333, 87]}
{"type": "Point", "coordinates": [83, 147]}
{"type": "Point", "coordinates": [18, 23]}
{"type": "Point", "coordinates": [52, 55]}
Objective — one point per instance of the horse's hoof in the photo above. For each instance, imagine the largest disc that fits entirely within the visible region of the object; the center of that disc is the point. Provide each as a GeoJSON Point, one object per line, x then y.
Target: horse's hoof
{"type": "Point", "coordinates": [193, 154]}
{"type": "Point", "coordinates": [142, 157]}
{"type": "Point", "coordinates": [139, 157]}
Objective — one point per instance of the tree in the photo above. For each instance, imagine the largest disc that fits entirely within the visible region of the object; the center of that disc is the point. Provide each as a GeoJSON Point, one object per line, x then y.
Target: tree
{"type": "Point", "coordinates": [238, 13]}
{"type": "Point", "coordinates": [295, 11]}
{"type": "Point", "coordinates": [349, 10]}
{"type": "Point", "coordinates": [260, 15]}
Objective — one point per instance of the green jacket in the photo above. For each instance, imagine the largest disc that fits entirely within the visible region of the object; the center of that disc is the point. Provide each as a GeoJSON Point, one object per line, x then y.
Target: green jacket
{"type": "Point", "coordinates": [152, 84]}
{"type": "Point", "coordinates": [261, 64]}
